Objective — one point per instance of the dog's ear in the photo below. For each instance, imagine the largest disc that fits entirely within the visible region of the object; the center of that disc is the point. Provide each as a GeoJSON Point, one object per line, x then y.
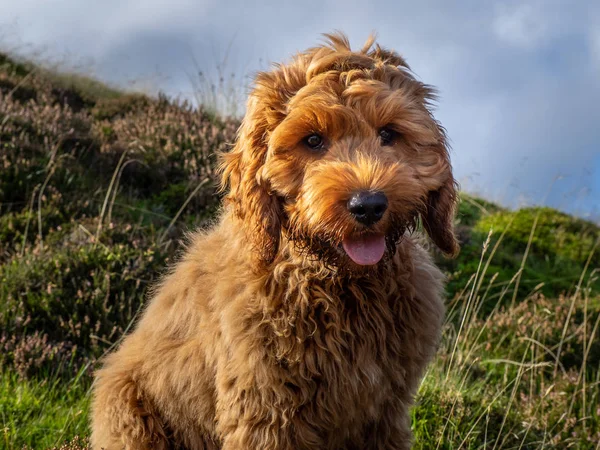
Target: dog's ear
{"type": "Point", "coordinates": [438, 218]}
{"type": "Point", "coordinates": [249, 193]}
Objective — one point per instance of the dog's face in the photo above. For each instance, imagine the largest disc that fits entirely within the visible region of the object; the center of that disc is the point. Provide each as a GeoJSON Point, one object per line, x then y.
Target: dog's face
{"type": "Point", "coordinates": [340, 154]}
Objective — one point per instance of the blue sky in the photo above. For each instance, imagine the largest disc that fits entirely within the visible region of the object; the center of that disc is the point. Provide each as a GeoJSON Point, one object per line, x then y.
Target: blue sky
{"type": "Point", "coordinates": [519, 80]}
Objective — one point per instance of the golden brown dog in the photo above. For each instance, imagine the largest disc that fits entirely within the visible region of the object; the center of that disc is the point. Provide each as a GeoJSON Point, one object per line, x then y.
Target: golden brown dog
{"type": "Point", "coordinates": [305, 317]}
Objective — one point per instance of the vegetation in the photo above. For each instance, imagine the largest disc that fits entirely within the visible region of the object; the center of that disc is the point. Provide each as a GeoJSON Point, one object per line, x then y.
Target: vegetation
{"type": "Point", "coordinates": [96, 189]}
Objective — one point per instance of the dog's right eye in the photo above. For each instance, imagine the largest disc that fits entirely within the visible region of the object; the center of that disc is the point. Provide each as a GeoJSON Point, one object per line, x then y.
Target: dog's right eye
{"type": "Point", "coordinates": [387, 136]}
{"type": "Point", "coordinates": [314, 141]}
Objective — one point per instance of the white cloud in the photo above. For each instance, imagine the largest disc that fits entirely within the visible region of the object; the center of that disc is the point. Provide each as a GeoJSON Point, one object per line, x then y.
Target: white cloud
{"type": "Point", "coordinates": [88, 28]}
{"type": "Point", "coordinates": [522, 24]}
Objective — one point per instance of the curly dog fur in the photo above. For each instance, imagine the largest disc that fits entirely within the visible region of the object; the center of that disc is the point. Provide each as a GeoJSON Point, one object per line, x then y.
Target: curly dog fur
{"type": "Point", "coordinates": [271, 332]}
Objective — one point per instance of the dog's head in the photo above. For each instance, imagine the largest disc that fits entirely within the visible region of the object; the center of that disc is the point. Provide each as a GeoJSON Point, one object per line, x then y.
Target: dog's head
{"type": "Point", "coordinates": [339, 154]}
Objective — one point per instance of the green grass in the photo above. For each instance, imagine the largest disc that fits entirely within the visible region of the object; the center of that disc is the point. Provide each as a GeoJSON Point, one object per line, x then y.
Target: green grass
{"type": "Point", "coordinates": [552, 248]}
{"type": "Point", "coordinates": [42, 412]}
{"type": "Point", "coordinates": [92, 193]}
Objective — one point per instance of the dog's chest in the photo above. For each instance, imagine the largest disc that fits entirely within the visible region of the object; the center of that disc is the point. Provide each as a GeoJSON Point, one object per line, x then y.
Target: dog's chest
{"type": "Point", "coordinates": [338, 358]}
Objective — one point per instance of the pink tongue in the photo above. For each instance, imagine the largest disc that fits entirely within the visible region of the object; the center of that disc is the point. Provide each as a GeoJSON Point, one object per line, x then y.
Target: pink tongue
{"type": "Point", "coordinates": [365, 250]}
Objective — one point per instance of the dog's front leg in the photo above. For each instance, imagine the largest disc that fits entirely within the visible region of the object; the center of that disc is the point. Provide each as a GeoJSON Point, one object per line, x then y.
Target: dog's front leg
{"type": "Point", "coordinates": [120, 417]}
{"type": "Point", "coordinates": [252, 438]}
{"type": "Point", "coordinates": [247, 421]}
{"type": "Point", "coordinates": [262, 417]}
{"type": "Point", "coordinates": [392, 431]}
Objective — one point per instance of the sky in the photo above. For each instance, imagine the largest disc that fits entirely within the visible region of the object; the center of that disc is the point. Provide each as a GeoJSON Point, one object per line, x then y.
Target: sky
{"type": "Point", "coordinates": [519, 81]}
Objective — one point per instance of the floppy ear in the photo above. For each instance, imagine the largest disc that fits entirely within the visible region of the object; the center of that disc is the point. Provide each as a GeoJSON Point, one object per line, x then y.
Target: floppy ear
{"type": "Point", "coordinates": [249, 193]}
{"type": "Point", "coordinates": [439, 216]}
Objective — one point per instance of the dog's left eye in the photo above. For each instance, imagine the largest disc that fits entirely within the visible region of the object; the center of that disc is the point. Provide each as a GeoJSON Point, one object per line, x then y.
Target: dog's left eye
{"type": "Point", "coordinates": [314, 141]}
{"type": "Point", "coordinates": [387, 136]}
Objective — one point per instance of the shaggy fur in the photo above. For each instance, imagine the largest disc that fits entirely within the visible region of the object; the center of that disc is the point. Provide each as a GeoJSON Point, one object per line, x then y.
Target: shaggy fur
{"type": "Point", "coordinates": [266, 335]}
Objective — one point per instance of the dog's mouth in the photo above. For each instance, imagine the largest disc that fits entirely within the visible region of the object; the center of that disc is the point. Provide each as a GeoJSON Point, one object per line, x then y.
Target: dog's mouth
{"type": "Point", "coordinates": [365, 249]}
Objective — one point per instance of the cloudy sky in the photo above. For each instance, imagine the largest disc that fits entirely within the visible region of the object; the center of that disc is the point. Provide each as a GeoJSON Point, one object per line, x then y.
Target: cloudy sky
{"type": "Point", "coordinates": [519, 80]}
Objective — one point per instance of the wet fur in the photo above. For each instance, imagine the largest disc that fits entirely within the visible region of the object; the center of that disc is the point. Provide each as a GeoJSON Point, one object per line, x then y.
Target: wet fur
{"type": "Point", "coordinates": [265, 335]}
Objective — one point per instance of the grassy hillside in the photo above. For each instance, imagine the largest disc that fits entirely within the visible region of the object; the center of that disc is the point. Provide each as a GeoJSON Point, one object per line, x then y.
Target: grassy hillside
{"type": "Point", "coordinates": [96, 188]}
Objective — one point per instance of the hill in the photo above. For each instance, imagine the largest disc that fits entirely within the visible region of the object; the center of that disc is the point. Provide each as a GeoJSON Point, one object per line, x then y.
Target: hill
{"type": "Point", "coordinates": [97, 187]}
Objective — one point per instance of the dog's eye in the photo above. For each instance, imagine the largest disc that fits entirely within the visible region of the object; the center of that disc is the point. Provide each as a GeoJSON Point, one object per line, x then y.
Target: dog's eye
{"type": "Point", "coordinates": [387, 136]}
{"type": "Point", "coordinates": [314, 141]}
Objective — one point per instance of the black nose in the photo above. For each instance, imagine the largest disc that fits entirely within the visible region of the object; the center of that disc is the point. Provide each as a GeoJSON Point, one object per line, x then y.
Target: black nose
{"type": "Point", "coordinates": [367, 207]}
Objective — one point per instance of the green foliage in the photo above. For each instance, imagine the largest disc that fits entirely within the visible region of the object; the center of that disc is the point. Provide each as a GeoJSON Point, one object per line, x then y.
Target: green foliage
{"type": "Point", "coordinates": [82, 294]}
{"type": "Point", "coordinates": [556, 257]}
{"type": "Point", "coordinates": [557, 235]}
{"type": "Point", "coordinates": [453, 416]}
{"type": "Point", "coordinates": [538, 318]}
{"type": "Point", "coordinates": [41, 413]}
{"type": "Point", "coordinates": [534, 366]}
{"type": "Point", "coordinates": [112, 107]}
{"type": "Point", "coordinates": [472, 209]}
{"type": "Point", "coordinates": [10, 65]}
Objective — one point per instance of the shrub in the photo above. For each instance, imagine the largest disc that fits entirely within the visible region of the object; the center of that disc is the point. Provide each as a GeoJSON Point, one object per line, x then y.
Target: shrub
{"type": "Point", "coordinates": [82, 295]}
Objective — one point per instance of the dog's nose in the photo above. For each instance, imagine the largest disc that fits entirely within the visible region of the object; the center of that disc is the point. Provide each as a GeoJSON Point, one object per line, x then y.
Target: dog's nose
{"type": "Point", "coordinates": [368, 207]}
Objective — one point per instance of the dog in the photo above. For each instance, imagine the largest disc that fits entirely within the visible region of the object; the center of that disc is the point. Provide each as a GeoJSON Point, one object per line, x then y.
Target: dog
{"type": "Point", "coordinates": [304, 318]}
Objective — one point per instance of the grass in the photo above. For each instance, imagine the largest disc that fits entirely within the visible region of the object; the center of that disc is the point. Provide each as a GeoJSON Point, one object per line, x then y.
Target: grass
{"type": "Point", "coordinates": [41, 412]}
{"type": "Point", "coordinates": [97, 187]}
